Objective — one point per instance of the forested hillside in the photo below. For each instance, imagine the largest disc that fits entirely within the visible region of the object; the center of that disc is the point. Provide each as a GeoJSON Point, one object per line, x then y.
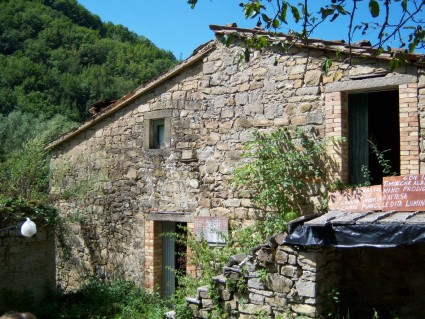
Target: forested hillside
{"type": "Point", "coordinates": [58, 58]}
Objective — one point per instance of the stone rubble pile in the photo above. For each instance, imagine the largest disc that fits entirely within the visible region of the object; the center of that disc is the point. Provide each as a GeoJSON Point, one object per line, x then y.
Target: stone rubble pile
{"type": "Point", "coordinates": [274, 280]}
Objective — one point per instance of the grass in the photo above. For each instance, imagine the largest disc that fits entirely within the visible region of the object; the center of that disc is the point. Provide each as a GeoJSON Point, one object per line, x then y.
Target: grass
{"type": "Point", "coordinates": [95, 300]}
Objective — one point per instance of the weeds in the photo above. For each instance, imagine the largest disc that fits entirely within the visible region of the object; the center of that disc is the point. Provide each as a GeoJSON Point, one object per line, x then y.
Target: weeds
{"type": "Point", "coordinates": [95, 300]}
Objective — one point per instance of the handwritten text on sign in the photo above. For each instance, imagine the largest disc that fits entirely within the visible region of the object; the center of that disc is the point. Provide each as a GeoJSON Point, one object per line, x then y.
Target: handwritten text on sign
{"type": "Point", "coordinates": [213, 229]}
{"type": "Point", "coordinates": [359, 199]}
{"type": "Point", "coordinates": [404, 193]}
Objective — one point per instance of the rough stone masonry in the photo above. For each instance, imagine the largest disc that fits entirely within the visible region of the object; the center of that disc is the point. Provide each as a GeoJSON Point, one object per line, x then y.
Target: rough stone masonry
{"type": "Point", "coordinates": [110, 181]}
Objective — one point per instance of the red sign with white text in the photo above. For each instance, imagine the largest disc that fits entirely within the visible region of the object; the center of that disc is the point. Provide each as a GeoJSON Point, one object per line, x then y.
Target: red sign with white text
{"type": "Point", "coordinates": [404, 193]}
{"type": "Point", "coordinates": [356, 200]}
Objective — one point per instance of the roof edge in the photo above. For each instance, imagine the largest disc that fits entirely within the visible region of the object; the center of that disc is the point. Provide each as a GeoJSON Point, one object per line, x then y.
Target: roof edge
{"type": "Point", "coordinates": [417, 59]}
{"type": "Point", "coordinates": [198, 54]}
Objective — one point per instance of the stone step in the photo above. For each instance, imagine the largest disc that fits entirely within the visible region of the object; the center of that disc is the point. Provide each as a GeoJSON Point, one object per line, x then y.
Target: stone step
{"type": "Point", "coordinates": [220, 279]}
{"type": "Point", "coordinates": [232, 273]}
{"type": "Point", "coordinates": [193, 301]}
{"type": "Point", "coordinates": [257, 248]}
{"type": "Point", "coordinates": [203, 291]}
{"type": "Point", "coordinates": [231, 269]}
{"type": "Point", "coordinates": [235, 260]}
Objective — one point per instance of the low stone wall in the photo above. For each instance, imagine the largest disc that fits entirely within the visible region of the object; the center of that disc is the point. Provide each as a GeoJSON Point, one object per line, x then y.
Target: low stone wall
{"type": "Point", "coordinates": [281, 281]}
{"type": "Point", "coordinates": [389, 281]}
{"type": "Point", "coordinates": [27, 264]}
{"type": "Point", "coordinates": [275, 279]}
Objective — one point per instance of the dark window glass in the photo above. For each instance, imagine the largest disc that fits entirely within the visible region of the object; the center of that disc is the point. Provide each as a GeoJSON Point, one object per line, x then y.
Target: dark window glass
{"type": "Point", "coordinates": [158, 134]}
{"type": "Point", "coordinates": [373, 118]}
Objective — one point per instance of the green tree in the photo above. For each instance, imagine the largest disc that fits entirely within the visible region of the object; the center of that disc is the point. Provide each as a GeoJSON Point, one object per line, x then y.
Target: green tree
{"type": "Point", "coordinates": [24, 164]}
{"type": "Point", "coordinates": [58, 58]}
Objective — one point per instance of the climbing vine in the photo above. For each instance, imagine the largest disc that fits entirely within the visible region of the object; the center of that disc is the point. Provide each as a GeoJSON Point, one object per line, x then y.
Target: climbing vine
{"type": "Point", "coordinates": [15, 209]}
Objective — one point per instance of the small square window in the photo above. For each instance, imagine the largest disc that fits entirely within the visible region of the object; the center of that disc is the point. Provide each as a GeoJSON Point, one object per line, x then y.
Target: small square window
{"type": "Point", "coordinates": [157, 129]}
{"type": "Point", "coordinates": [157, 134]}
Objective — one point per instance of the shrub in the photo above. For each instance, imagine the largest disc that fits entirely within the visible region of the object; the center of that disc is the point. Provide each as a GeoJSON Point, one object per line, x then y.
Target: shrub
{"type": "Point", "coordinates": [279, 168]}
{"type": "Point", "coordinates": [276, 174]}
{"type": "Point", "coordinates": [115, 299]}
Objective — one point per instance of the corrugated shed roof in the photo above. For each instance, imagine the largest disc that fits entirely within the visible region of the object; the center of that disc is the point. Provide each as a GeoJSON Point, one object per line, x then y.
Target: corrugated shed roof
{"type": "Point", "coordinates": [344, 218]}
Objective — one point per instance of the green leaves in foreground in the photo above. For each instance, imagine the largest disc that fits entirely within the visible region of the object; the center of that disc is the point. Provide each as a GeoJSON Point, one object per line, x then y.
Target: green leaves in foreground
{"type": "Point", "coordinates": [192, 3]}
{"type": "Point", "coordinates": [280, 166]}
{"type": "Point", "coordinates": [302, 20]}
{"type": "Point", "coordinates": [374, 8]}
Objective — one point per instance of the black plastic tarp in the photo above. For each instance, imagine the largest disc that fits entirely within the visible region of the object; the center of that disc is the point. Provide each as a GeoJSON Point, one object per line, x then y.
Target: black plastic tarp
{"type": "Point", "coordinates": [356, 235]}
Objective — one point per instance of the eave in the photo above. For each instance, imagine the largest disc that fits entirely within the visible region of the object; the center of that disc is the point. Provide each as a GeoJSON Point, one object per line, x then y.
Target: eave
{"type": "Point", "coordinates": [130, 97]}
{"type": "Point", "coordinates": [416, 59]}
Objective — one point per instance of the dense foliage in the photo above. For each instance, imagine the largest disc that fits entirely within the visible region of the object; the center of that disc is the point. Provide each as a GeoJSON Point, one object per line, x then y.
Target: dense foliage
{"type": "Point", "coordinates": [24, 164]}
{"type": "Point", "coordinates": [280, 167]}
{"type": "Point", "coordinates": [14, 210]}
{"type": "Point", "coordinates": [24, 167]}
{"type": "Point", "coordinates": [115, 300]}
{"type": "Point", "coordinates": [58, 58]}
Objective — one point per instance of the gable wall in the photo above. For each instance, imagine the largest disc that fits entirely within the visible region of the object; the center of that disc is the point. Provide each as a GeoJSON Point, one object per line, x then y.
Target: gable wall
{"type": "Point", "coordinates": [120, 181]}
{"type": "Point", "coordinates": [213, 108]}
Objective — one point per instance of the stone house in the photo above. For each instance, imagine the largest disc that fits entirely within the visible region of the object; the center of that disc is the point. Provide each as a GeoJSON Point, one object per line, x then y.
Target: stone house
{"type": "Point", "coordinates": [163, 154]}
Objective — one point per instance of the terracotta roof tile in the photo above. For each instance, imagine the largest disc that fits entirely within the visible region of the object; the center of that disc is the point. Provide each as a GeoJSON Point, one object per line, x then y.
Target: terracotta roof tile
{"type": "Point", "coordinates": [358, 49]}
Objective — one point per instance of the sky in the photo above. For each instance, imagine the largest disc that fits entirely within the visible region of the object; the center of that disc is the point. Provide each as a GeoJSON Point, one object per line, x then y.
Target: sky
{"type": "Point", "coordinates": [172, 24]}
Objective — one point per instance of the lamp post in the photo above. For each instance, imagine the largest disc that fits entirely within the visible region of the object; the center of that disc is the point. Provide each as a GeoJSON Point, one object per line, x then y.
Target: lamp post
{"type": "Point", "coordinates": [28, 228]}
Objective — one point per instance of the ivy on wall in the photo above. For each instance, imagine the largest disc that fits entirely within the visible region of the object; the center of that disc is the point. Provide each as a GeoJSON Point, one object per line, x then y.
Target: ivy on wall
{"type": "Point", "coordinates": [15, 209]}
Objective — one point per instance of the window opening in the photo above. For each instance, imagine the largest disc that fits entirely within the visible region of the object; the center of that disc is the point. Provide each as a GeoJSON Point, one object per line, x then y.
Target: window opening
{"type": "Point", "coordinates": [181, 251]}
{"type": "Point", "coordinates": [373, 117]}
{"type": "Point", "coordinates": [173, 256]}
{"type": "Point", "coordinates": [158, 134]}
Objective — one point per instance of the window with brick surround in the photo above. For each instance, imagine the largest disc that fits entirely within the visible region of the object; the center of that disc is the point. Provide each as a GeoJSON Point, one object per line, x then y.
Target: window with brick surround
{"type": "Point", "coordinates": [337, 122]}
{"type": "Point", "coordinates": [373, 118]}
{"type": "Point", "coordinates": [162, 253]}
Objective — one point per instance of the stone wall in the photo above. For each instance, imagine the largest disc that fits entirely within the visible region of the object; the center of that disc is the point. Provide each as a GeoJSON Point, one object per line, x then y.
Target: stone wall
{"type": "Point", "coordinates": [28, 264]}
{"type": "Point", "coordinates": [388, 280]}
{"type": "Point", "coordinates": [210, 109]}
{"type": "Point", "coordinates": [278, 280]}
